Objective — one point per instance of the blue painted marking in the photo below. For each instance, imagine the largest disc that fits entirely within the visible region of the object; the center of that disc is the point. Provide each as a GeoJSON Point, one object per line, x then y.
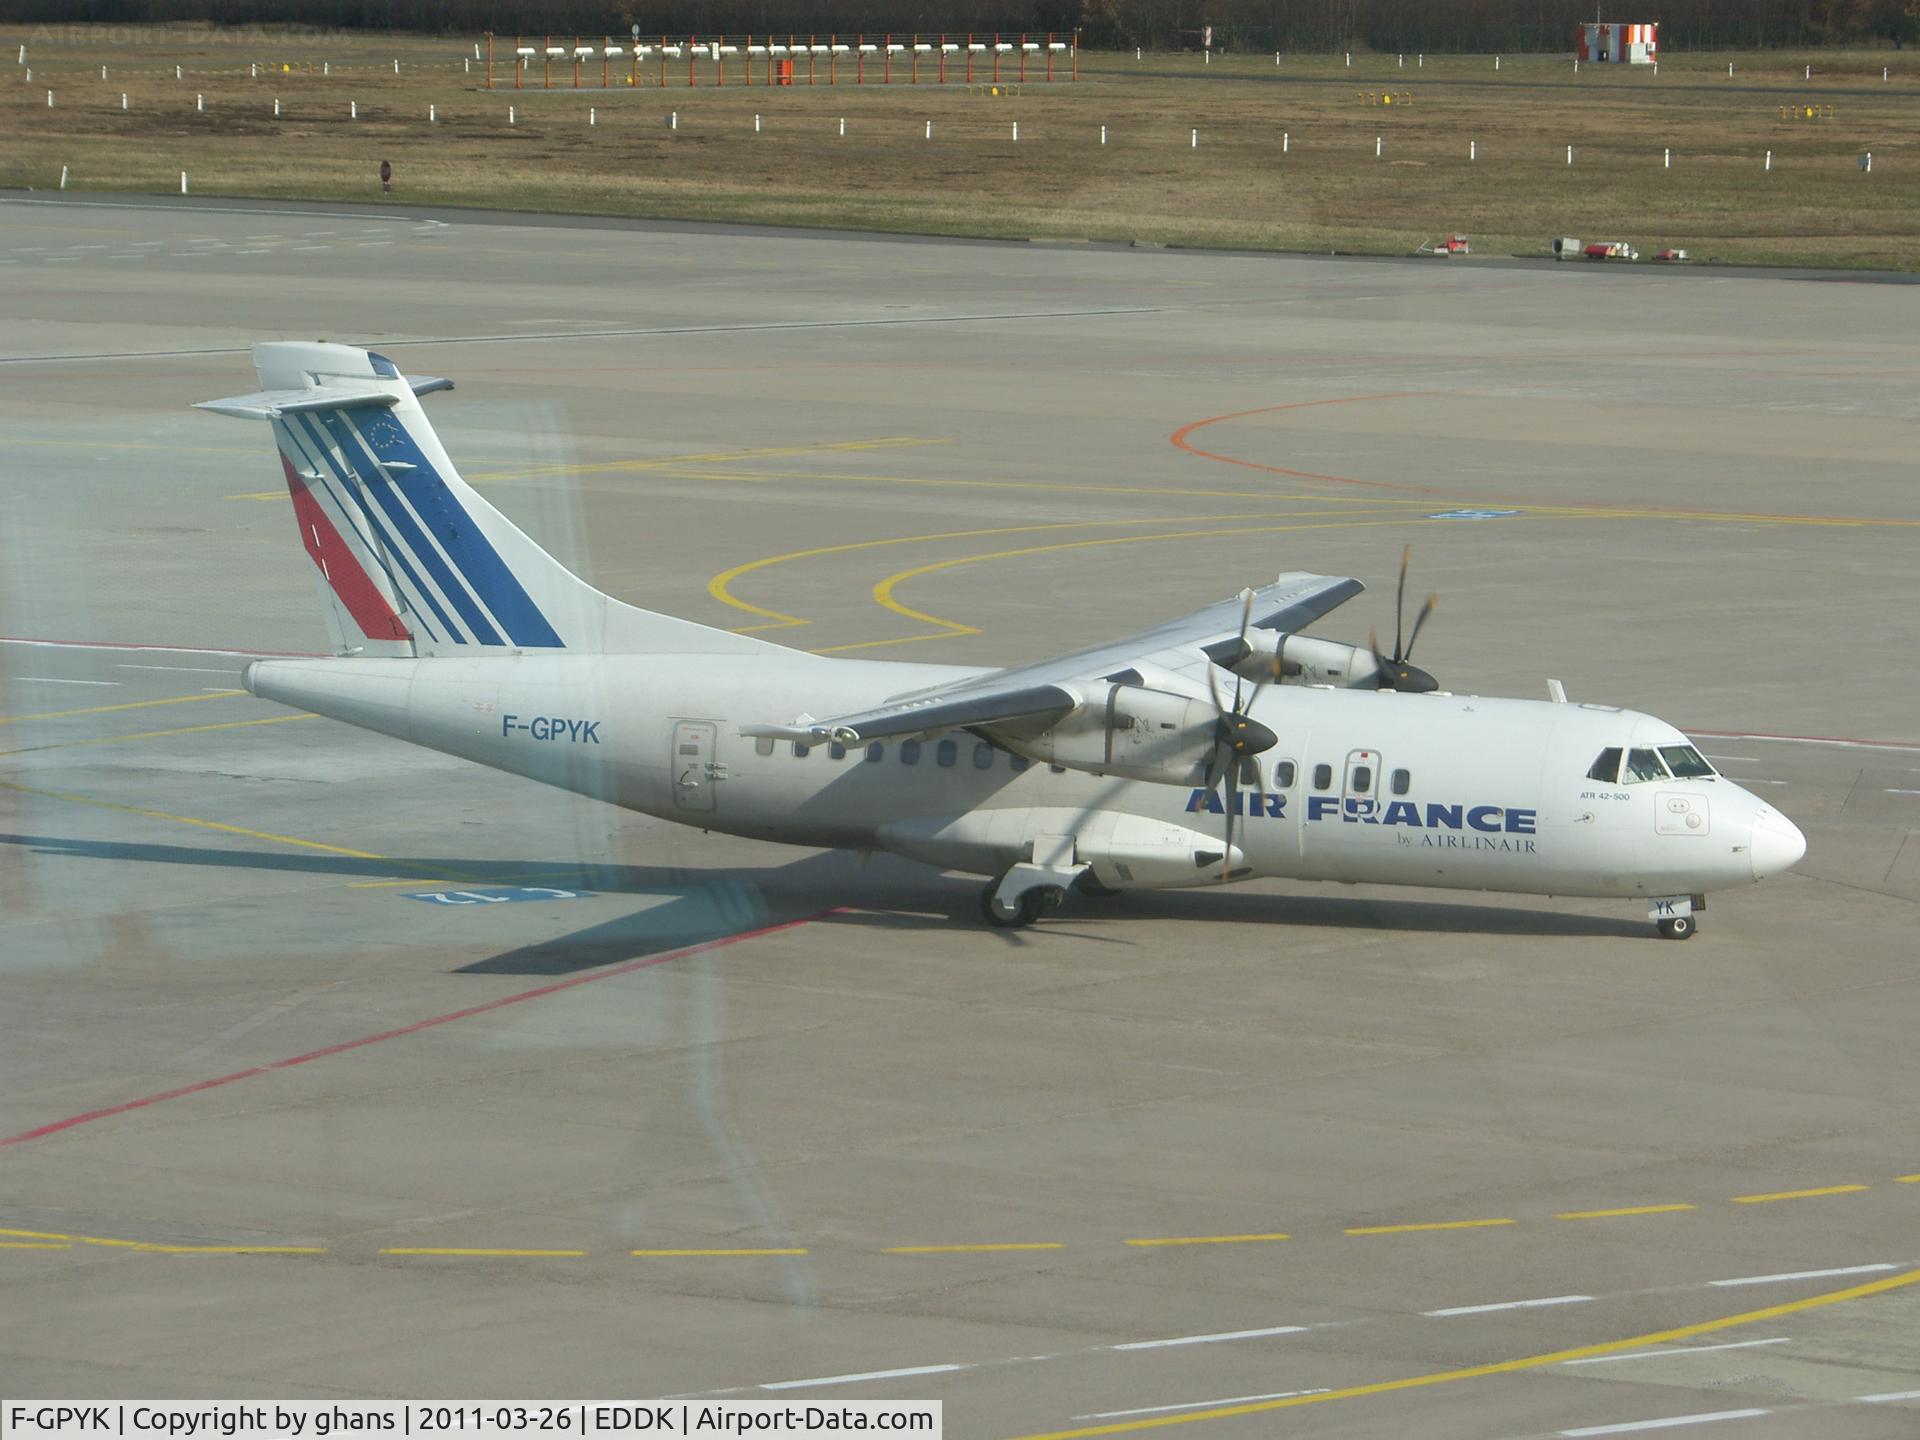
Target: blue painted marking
{"type": "Point", "coordinates": [387, 543]}
{"type": "Point", "coordinates": [465, 543]}
{"type": "Point", "coordinates": [1472, 514]}
{"type": "Point", "coordinates": [499, 895]}
{"type": "Point", "coordinates": [410, 533]}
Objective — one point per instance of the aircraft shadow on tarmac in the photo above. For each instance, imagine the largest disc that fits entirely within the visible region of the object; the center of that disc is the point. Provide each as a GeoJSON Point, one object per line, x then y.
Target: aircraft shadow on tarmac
{"type": "Point", "coordinates": [700, 905]}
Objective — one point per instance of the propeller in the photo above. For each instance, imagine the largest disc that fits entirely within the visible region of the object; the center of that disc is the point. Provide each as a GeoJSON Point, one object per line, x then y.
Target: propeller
{"type": "Point", "coordinates": [1236, 734]}
{"type": "Point", "coordinates": [1398, 672]}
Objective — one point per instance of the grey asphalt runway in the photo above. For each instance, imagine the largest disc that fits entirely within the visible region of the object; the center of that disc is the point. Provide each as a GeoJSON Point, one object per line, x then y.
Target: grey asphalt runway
{"type": "Point", "coordinates": [286, 1110]}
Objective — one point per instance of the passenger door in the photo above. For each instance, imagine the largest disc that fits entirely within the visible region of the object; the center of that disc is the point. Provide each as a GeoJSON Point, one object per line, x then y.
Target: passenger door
{"type": "Point", "coordinates": [1359, 791]}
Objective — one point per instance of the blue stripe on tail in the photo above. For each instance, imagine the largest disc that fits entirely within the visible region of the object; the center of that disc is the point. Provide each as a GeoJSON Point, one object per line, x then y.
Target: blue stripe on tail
{"type": "Point", "coordinates": [409, 533]}
{"type": "Point", "coordinates": [466, 545]}
{"type": "Point", "coordinates": [398, 555]}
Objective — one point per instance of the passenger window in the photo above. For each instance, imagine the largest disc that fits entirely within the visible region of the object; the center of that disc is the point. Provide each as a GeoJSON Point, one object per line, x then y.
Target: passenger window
{"type": "Point", "coordinates": [1362, 779]}
{"type": "Point", "coordinates": [1402, 782]}
{"type": "Point", "coordinates": [1607, 767]}
{"type": "Point", "coordinates": [983, 756]}
{"type": "Point", "coordinates": [946, 752]}
{"type": "Point", "coordinates": [1019, 763]}
{"type": "Point", "coordinates": [1643, 765]}
{"type": "Point", "coordinates": [875, 753]}
{"type": "Point", "coordinates": [799, 751]}
{"type": "Point", "coordinates": [909, 752]}
{"type": "Point", "coordinates": [1249, 774]}
{"type": "Point", "coordinates": [1686, 763]}
{"type": "Point", "coordinates": [763, 745]}
{"type": "Point", "coordinates": [1283, 775]}
{"type": "Point", "coordinates": [1323, 777]}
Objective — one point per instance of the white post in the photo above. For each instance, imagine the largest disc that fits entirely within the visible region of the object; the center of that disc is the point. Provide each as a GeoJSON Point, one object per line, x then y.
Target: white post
{"type": "Point", "coordinates": [276, 107]}
{"type": "Point", "coordinates": [1423, 60]}
{"type": "Point", "coordinates": [353, 109]}
{"type": "Point", "coordinates": [1869, 165]}
{"type": "Point", "coordinates": [1666, 159]}
{"type": "Point", "coordinates": [673, 121]}
{"type": "Point", "coordinates": [466, 67]}
{"type": "Point", "coordinates": [756, 124]}
{"type": "Point", "coordinates": [1376, 147]}
{"type": "Point", "coordinates": [200, 103]}
{"type": "Point", "coordinates": [1769, 160]}
{"type": "Point", "coordinates": [433, 114]}
{"type": "Point", "coordinates": [1883, 74]}
{"type": "Point", "coordinates": [49, 99]}
{"type": "Point", "coordinates": [929, 129]}
{"type": "Point", "coordinates": [1276, 60]}
{"type": "Point", "coordinates": [63, 177]}
{"type": "Point", "coordinates": [1349, 59]}
{"type": "Point", "coordinates": [177, 73]}
{"type": "Point", "coordinates": [593, 116]}
{"type": "Point", "coordinates": [1403, 62]}
{"type": "Point", "coordinates": [1194, 142]}
{"type": "Point", "coordinates": [1656, 67]}
{"type": "Point", "coordinates": [1473, 150]}
{"type": "Point", "coordinates": [326, 67]}
{"type": "Point", "coordinates": [23, 56]}
{"type": "Point", "coordinates": [1809, 72]}
{"type": "Point", "coordinates": [1569, 154]}
{"type": "Point", "coordinates": [1285, 141]}
{"type": "Point", "coordinates": [1016, 131]}
{"type": "Point", "coordinates": [396, 67]}
{"type": "Point", "coordinates": [103, 72]}
{"type": "Point", "coordinates": [1496, 62]}
{"type": "Point", "coordinates": [1103, 133]}
{"type": "Point", "coordinates": [843, 125]}
{"type": "Point", "coordinates": [1209, 57]}
{"type": "Point", "coordinates": [1729, 69]}
{"type": "Point", "coordinates": [253, 72]}
{"type": "Point", "coordinates": [510, 119]}
{"type": "Point", "coordinates": [476, 52]}
{"type": "Point", "coordinates": [1576, 64]}
{"type": "Point", "coordinates": [1136, 52]}
{"type": "Point", "coordinates": [183, 182]}
{"type": "Point", "coordinates": [123, 99]}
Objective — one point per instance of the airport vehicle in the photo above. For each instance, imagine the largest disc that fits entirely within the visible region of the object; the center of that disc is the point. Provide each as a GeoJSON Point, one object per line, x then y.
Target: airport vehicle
{"type": "Point", "coordinates": [1217, 747]}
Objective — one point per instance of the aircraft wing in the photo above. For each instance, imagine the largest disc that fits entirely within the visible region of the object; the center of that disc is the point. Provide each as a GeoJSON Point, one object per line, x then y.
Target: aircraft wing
{"type": "Point", "coordinates": [1035, 696]}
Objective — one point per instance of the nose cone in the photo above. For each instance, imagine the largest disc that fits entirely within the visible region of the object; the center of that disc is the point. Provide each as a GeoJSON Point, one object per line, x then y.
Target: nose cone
{"type": "Point", "coordinates": [1777, 843]}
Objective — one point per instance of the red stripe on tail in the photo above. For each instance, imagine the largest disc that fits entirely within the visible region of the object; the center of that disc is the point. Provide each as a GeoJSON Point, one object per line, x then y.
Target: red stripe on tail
{"type": "Point", "coordinates": [376, 618]}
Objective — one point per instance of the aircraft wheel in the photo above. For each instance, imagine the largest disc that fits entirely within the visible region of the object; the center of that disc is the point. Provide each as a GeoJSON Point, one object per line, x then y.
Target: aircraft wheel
{"type": "Point", "coordinates": [1678, 927]}
{"type": "Point", "coordinates": [1017, 916]}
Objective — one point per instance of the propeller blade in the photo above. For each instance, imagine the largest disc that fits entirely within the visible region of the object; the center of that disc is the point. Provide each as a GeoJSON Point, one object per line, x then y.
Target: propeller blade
{"type": "Point", "coordinates": [1418, 621]}
{"type": "Point", "coordinates": [1233, 801]}
{"type": "Point", "coordinates": [1383, 667]}
{"type": "Point", "coordinates": [1400, 600]}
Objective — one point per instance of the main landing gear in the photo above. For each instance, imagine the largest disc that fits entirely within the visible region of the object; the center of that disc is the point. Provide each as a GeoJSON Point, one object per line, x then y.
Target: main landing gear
{"type": "Point", "coordinates": [1023, 893]}
{"type": "Point", "coordinates": [1675, 915]}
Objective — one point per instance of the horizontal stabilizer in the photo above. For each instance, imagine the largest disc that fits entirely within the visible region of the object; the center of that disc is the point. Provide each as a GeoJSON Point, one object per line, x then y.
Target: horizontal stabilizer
{"type": "Point", "coordinates": [272, 404]}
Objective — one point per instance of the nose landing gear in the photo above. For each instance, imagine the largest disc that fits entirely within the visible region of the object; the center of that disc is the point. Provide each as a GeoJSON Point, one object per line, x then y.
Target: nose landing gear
{"type": "Point", "coordinates": [1674, 915]}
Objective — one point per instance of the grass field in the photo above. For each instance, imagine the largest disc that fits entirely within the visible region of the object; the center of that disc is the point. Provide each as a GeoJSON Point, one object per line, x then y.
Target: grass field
{"type": "Point", "coordinates": [1285, 157]}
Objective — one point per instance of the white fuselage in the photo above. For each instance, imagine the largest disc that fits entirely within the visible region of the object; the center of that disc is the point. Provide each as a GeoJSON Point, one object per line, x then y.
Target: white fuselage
{"type": "Point", "coordinates": [1453, 791]}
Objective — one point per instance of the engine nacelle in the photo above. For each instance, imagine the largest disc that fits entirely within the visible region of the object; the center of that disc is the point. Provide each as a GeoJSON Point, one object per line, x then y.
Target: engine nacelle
{"type": "Point", "coordinates": [1329, 662]}
{"type": "Point", "coordinates": [1134, 732]}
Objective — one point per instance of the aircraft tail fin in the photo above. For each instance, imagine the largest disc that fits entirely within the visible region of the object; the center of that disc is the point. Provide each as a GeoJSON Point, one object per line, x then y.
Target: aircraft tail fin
{"type": "Point", "coordinates": [411, 560]}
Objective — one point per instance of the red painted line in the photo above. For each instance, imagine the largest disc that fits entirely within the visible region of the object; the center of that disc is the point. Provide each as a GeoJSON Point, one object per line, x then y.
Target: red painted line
{"type": "Point", "coordinates": [73, 1121]}
{"type": "Point", "coordinates": [1180, 442]}
{"type": "Point", "coordinates": [1179, 439]}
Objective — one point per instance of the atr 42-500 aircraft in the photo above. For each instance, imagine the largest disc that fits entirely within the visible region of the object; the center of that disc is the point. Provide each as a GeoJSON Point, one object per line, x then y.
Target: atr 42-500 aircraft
{"type": "Point", "coordinates": [1115, 767]}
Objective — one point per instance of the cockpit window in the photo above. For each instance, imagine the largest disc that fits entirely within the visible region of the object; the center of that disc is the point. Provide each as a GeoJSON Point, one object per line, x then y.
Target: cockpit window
{"type": "Point", "coordinates": [1607, 767]}
{"type": "Point", "coordinates": [1686, 763]}
{"type": "Point", "coordinates": [1643, 765]}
